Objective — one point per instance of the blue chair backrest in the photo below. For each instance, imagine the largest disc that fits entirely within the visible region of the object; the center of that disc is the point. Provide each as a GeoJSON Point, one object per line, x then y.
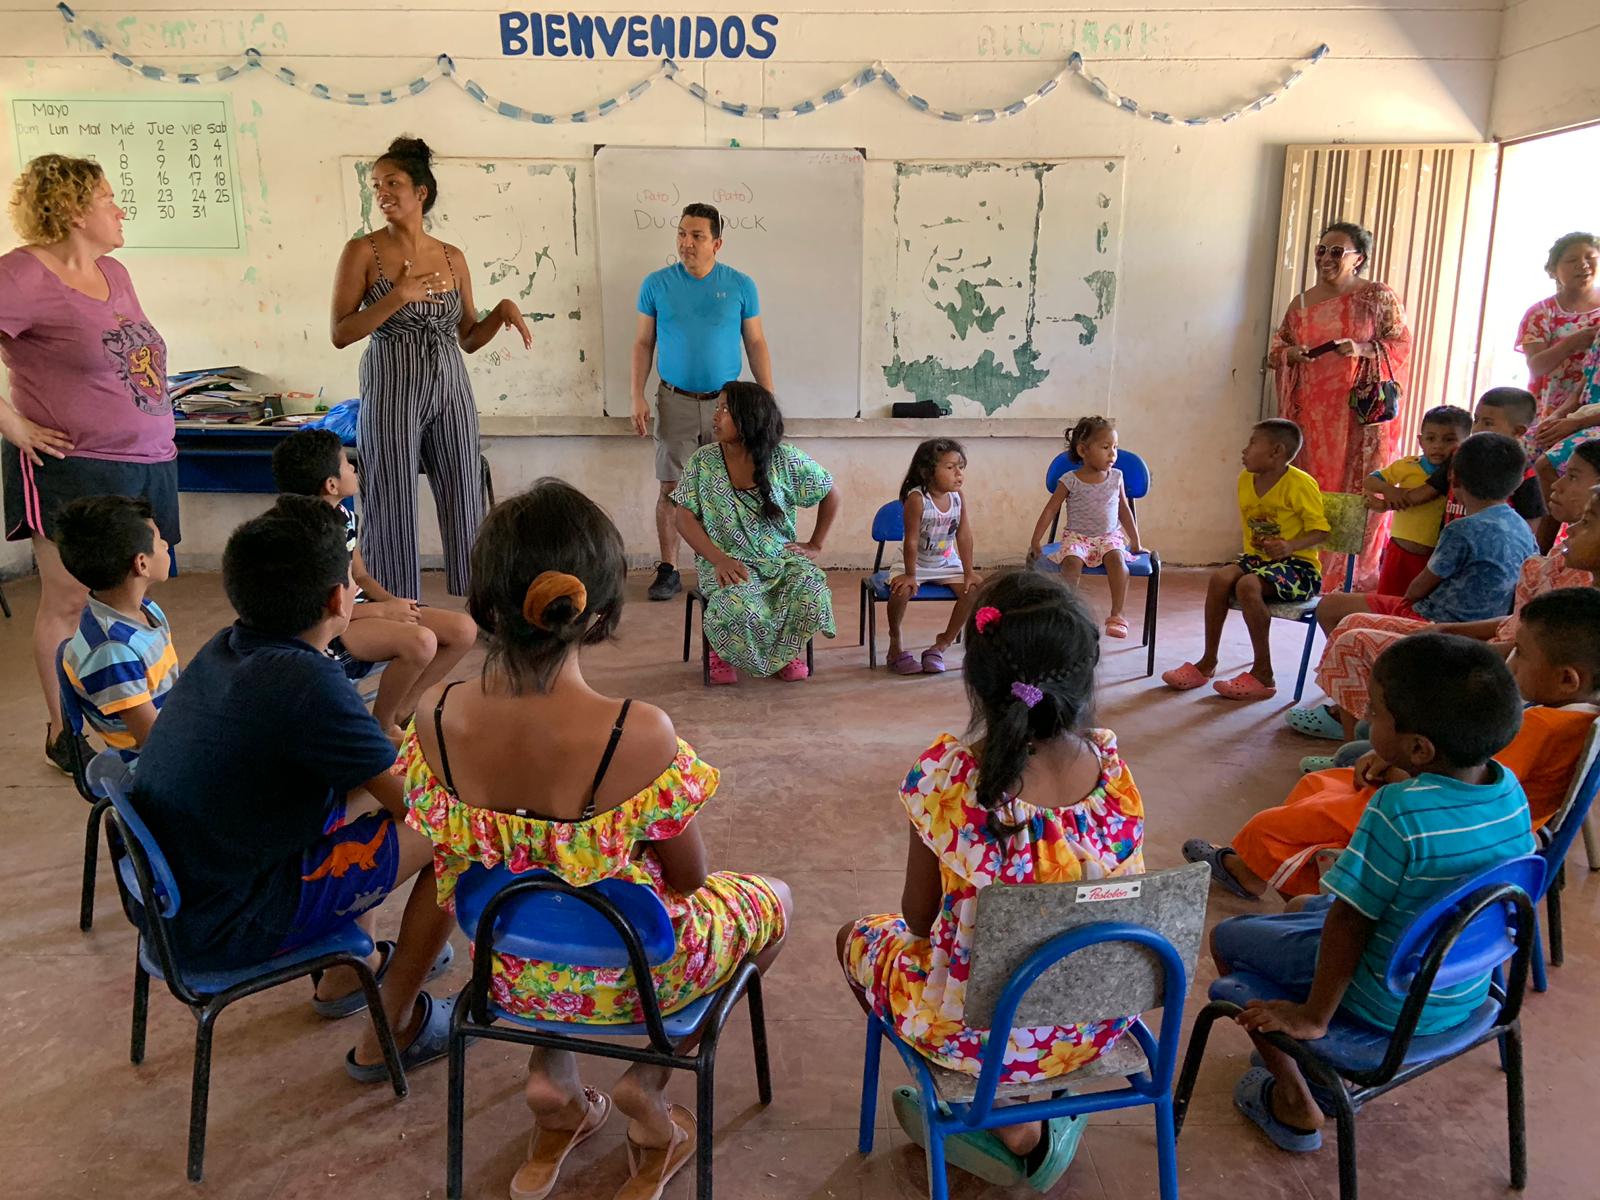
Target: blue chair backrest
{"type": "Point", "coordinates": [889, 522]}
{"type": "Point", "coordinates": [1569, 818]}
{"type": "Point", "coordinates": [71, 705]}
{"type": "Point", "coordinates": [110, 777]}
{"type": "Point", "coordinates": [1486, 942]}
{"type": "Point", "coordinates": [1135, 474]}
{"type": "Point", "coordinates": [560, 928]}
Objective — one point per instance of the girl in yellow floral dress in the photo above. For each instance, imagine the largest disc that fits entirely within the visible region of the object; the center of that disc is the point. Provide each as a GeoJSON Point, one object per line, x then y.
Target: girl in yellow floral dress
{"type": "Point", "coordinates": [1032, 795]}
{"type": "Point", "coordinates": [530, 767]}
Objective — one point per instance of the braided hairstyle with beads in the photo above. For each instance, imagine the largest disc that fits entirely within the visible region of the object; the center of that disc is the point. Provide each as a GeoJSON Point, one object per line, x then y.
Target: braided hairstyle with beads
{"type": "Point", "coordinates": [1032, 649]}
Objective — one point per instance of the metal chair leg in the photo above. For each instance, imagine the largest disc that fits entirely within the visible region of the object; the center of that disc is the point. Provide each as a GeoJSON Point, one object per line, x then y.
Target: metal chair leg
{"type": "Point", "coordinates": [811, 664]}
{"type": "Point", "coordinates": [141, 1010]}
{"type": "Point", "coordinates": [1152, 604]}
{"type": "Point", "coordinates": [456, 1107]}
{"type": "Point", "coordinates": [869, 1085]}
{"type": "Point", "coordinates": [1552, 904]}
{"type": "Point", "coordinates": [5, 605]}
{"type": "Point", "coordinates": [91, 855]}
{"type": "Point", "coordinates": [1541, 981]}
{"type": "Point", "coordinates": [200, 1092]}
{"type": "Point", "coordinates": [1345, 1121]}
{"type": "Point", "coordinates": [1198, 1037]}
{"type": "Point", "coordinates": [938, 1184]}
{"type": "Point", "coordinates": [758, 1038]}
{"type": "Point", "coordinates": [1516, 1115]}
{"type": "Point", "coordinates": [704, 1103]}
{"type": "Point", "coordinates": [1305, 660]}
{"type": "Point", "coordinates": [864, 602]}
{"type": "Point", "coordinates": [688, 623]}
{"type": "Point", "coordinates": [872, 636]}
{"type": "Point", "coordinates": [1166, 1150]}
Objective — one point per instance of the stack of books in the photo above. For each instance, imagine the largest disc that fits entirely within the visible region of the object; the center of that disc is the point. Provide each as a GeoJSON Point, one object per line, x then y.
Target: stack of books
{"type": "Point", "coordinates": [218, 394]}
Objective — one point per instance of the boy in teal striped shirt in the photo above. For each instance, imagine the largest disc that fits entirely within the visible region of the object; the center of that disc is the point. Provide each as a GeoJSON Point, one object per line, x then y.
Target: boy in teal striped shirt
{"type": "Point", "coordinates": [1441, 708]}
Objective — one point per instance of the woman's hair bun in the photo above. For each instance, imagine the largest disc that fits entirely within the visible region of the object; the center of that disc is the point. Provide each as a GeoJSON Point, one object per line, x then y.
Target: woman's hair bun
{"type": "Point", "coordinates": [406, 146]}
{"type": "Point", "coordinates": [559, 615]}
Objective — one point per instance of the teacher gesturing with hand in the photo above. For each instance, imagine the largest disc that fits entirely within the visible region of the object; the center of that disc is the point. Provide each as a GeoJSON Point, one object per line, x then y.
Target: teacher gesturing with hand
{"type": "Point", "coordinates": [701, 314]}
{"type": "Point", "coordinates": [411, 295]}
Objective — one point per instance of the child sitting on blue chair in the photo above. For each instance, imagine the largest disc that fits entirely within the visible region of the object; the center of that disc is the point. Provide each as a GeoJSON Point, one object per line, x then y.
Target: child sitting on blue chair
{"type": "Point", "coordinates": [244, 784]}
{"type": "Point", "coordinates": [938, 549]}
{"type": "Point", "coordinates": [1442, 707]}
{"type": "Point", "coordinates": [1038, 797]}
{"type": "Point", "coordinates": [120, 661]}
{"type": "Point", "coordinates": [526, 766]}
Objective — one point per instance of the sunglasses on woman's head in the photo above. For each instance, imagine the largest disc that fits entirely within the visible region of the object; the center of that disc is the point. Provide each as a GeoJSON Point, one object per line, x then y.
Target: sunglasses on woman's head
{"type": "Point", "coordinates": [1334, 252]}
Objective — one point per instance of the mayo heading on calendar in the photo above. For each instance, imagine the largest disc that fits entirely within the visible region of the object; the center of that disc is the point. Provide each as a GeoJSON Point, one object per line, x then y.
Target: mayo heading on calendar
{"type": "Point", "coordinates": [560, 35]}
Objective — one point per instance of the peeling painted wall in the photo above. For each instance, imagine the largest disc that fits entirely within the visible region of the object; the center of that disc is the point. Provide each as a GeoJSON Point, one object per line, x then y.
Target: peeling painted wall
{"type": "Point", "coordinates": [991, 260]}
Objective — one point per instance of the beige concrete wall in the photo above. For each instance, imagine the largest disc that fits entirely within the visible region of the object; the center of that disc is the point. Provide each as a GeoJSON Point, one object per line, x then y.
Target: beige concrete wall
{"type": "Point", "coordinates": [1199, 220]}
{"type": "Point", "coordinates": [1546, 78]}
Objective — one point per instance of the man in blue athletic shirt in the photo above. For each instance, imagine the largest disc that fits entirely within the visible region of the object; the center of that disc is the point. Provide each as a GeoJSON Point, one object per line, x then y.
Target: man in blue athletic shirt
{"type": "Point", "coordinates": [701, 314]}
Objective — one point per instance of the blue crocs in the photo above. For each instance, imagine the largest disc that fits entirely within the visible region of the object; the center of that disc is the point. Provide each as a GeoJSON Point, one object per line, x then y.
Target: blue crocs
{"type": "Point", "coordinates": [432, 1041]}
{"type": "Point", "coordinates": [1253, 1097]}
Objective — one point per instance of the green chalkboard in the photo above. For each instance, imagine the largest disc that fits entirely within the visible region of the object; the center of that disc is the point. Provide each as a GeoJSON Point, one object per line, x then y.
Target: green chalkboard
{"type": "Point", "coordinates": [171, 162]}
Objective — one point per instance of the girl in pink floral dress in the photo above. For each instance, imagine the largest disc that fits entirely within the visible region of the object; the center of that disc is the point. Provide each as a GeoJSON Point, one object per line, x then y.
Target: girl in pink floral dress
{"type": "Point", "coordinates": [530, 767]}
{"type": "Point", "coordinates": [1031, 795]}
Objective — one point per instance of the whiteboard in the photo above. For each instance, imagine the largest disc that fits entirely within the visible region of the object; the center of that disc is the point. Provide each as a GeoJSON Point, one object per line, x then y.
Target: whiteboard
{"type": "Point", "coordinates": [1003, 299]}
{"type": "Point", "coordinates": [519, 224]}
{"type": "Point", "coordinates": [791, 221]}
{"type": "Point", "coordinates": [170, 162]}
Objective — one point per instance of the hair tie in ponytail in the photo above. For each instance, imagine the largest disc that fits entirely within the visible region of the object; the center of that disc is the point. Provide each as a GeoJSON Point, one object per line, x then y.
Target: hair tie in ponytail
{"type": "Point", "coordinates": [985, 617]}
{"type": "Point", "coordinates": [1027, 693]}
{"type": "Point", "coordinates": [549, 587]}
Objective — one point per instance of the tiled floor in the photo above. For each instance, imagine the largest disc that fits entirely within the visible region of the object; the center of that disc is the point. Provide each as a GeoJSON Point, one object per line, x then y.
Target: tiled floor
{"type": "Point", "coordinates": [808, 793]}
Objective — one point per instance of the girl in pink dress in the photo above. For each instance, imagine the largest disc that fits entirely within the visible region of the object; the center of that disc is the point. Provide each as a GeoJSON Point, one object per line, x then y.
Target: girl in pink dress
{"type": "Point", "coordinates": [1316, 353]}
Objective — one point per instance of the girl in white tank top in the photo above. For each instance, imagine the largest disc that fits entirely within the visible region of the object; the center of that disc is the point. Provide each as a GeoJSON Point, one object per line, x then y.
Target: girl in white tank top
{"type": "Point", "coordinates": [937, 550]}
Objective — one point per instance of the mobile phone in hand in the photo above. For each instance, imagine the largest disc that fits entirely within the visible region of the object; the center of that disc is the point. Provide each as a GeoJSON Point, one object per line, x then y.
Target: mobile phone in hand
{"type": "Point", "coordinates": [1319, 351]}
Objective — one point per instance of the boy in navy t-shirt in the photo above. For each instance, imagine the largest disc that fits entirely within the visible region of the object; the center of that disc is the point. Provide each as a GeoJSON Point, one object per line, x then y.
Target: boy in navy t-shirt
{"type": "Point", "coordinates": [245, 778]}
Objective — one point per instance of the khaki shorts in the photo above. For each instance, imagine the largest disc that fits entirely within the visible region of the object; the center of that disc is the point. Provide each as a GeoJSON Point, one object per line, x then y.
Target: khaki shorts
{"type": "Point", "coordinates": [683, 425]}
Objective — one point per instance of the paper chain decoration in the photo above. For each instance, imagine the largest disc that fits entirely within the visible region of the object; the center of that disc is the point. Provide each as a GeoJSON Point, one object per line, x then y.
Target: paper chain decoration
{"type": "Point", "coordinates": [445, 68]}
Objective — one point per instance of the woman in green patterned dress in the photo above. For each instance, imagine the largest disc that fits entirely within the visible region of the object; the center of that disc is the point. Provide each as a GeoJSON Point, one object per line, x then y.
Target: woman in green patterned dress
{"type": "Point", "coordinates": [765, 597]}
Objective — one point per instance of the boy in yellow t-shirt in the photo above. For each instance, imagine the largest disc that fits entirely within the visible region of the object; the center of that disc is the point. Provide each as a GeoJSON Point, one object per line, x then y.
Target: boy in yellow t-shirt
{"type": "Point", "coordinates": [1415, 530]}
{"type": "Point", "coordinates": [1280, 507]}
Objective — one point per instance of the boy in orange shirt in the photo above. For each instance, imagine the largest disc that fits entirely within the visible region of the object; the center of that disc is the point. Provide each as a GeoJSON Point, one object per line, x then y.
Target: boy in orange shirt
{"type": "Point", "coordinates": [1556, 662]}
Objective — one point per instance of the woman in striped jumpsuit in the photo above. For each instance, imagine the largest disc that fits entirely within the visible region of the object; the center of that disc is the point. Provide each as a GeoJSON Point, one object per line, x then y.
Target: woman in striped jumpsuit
{"type": "Point", "coordinates": [411, 294]}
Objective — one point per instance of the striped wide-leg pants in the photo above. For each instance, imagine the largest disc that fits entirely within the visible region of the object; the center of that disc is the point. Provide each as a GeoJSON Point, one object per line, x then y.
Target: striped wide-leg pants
{"type": "Point", "coordinates": [417, 413]}
{"type": "Point", "coordinates": [1345, 672]}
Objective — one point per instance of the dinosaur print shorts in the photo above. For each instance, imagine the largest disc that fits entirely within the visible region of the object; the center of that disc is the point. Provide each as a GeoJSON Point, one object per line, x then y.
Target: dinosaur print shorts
{"type": "Point", "coordinates": [349, 871]}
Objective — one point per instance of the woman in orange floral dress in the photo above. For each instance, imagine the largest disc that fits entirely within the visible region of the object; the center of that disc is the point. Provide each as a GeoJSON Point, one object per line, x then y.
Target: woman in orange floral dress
{"type": "Point", "coordinates": [1035, 797]}
{"type": "Point", "coordinates": [530, 767]}
{"type": "Point", "coordinates": [1364, 320]}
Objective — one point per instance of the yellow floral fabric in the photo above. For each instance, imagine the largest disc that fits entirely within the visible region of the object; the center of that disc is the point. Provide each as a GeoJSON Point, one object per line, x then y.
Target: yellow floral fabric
{"type": "Point", "coordinates": [730, 916]}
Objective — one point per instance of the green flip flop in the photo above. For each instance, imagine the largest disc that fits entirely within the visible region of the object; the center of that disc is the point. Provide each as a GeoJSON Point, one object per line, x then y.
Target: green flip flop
{"type": "Point", "coordinates": [1063, 1136]}
{"type": "Point", "coordinates": [977, 1153]}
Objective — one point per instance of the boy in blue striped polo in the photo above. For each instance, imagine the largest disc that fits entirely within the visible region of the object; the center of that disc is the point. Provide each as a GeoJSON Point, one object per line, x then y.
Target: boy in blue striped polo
{"type": "Point", "coordinates": [120, 661]}
{"type": "Point", "coordinates": [1441, 708]}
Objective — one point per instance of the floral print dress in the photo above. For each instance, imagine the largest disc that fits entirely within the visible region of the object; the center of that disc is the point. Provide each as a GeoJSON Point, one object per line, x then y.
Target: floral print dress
{"type": "Point", "coordinates": [730, 916]}
{"type": "Point", "coordinates": [918, 985]}
{"type": "Point", "coordinates": [1547, 322]}
{"type": "Point", "coordinates": [763, 624]}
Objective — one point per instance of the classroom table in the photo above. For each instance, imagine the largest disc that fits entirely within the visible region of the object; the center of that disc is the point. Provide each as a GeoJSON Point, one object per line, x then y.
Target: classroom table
{"type": "Point", "coordinates": [218, 457]}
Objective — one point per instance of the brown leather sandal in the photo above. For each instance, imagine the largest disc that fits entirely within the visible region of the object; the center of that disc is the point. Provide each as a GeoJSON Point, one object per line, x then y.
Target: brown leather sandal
{"type": "Point", "coordinates": [651, 1169]}
{"type": "Point", "coordinates": [548, 1149]}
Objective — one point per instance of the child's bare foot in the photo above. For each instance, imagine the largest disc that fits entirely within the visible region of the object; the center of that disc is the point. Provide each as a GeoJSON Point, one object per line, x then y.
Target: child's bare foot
{"type": "Point", "coordinates": [1020, 1139]}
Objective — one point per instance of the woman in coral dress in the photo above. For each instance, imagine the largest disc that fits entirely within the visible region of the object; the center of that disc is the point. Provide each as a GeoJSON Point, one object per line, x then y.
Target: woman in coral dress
{"type": "Point", "coordinates": [1364, 320]}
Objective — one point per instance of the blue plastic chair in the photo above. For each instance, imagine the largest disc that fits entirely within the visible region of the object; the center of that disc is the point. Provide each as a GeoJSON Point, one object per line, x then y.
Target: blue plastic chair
{"type": "Point", "coordinates": [72, 717]}
{"type": "Point", "coordinates": [889, 528]}
{"type": "Point", "coordinates": [1468, 931]}
{"type": "Point", "coordinates": [1556, 840]}
{"type": "Point", "coordinates": [612, 923]}
{"type": "Point", "coordinates": [1133, 965]}
{"type": "Point", "coordinates": [1146, 565]}
{"type": "Point", "coordinates": [151, 900]}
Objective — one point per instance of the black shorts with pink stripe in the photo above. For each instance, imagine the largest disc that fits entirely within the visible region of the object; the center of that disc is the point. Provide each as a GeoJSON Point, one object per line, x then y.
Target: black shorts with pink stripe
{"type": "Point", "coordinates": [34, 495]}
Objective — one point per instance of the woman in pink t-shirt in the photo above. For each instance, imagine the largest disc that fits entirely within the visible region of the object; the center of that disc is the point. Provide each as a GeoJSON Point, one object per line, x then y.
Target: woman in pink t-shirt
{"type": "Point", "coordinates": [89, 413]}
